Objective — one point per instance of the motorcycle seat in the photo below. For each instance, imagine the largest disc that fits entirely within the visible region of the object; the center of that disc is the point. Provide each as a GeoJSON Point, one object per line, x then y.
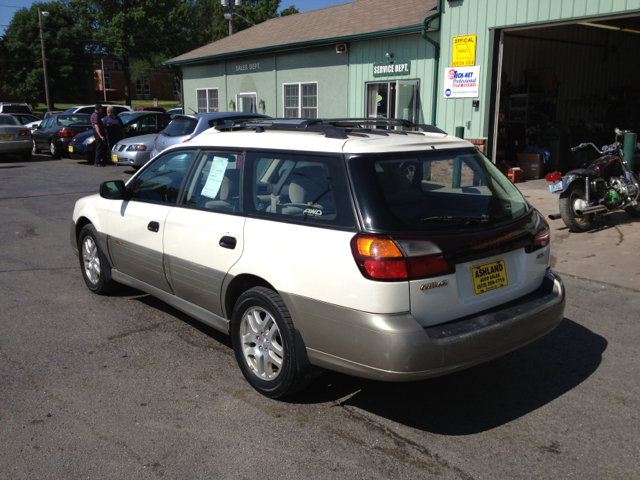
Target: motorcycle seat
{"type": "Point", "coordinates": [584, 172]}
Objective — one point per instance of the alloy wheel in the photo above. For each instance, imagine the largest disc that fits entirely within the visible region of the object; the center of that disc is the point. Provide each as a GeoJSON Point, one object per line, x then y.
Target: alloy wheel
{"type": "Point", "coordinates": [261, 343]}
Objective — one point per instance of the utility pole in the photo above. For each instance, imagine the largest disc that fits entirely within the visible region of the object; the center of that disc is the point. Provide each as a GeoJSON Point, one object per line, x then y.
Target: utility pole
{"type": "Point", "coordinates": [229, 15]}
{"type": "Point", "coordinates": [44, 59]}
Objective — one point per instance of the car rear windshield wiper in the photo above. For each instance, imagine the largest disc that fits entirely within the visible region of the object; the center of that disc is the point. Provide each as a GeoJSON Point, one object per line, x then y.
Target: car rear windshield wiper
{"type": "Point", "coordinates": [459, 219]}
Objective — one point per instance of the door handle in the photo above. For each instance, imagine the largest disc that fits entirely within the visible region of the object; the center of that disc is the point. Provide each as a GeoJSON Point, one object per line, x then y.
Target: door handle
{"type": "Point", "coordinates": [228, 242]}
{"type": "Point", "coordinates": [153, 226]}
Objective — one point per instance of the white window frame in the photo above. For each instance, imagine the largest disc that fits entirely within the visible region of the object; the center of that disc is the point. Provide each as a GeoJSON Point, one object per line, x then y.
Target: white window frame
{"type": "Point", "coordinates": [300, 107]}
{"type": "Point", "coordinates": [209, 108]}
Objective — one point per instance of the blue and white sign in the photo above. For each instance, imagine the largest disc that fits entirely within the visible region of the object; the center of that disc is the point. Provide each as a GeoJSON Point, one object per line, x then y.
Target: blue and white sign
{"type": "Point", "coordinates": [462, 82]}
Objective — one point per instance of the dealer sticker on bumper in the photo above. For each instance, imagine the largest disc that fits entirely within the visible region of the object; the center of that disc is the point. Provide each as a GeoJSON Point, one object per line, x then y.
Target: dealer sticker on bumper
{"type": "Point", "coordinates": [489, 276]}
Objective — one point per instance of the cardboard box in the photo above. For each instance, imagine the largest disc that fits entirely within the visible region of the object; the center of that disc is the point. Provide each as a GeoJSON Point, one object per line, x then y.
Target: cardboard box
{"type": "Point", "coordinates": [531, 164]}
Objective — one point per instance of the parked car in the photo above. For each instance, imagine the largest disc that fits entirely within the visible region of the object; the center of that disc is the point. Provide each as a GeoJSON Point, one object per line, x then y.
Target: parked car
{"type": "Point", "coordinates": [15, 108]}
{"type": "Point", "coordinates": [14, 137]}
{"type": "Point", "coordinates": [150, 109]}
{"type": "Point", "coordinates": [185, 127]}
{"type": "Point", "coordinates": [175, 111]}
{"type": "Point", "coordinates": [133, 152]}
{"type": "Point", "coordinates": [384, 254]}
{"type": "Point", "coordinates": [117, 109]}
{"type": "Point", "coordinates": [56, 132]}
{"type": "Point", "coordinates": [83, 146]}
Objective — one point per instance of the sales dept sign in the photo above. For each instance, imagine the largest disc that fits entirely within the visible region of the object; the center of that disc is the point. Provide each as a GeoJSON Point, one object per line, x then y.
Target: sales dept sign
{"type": "Point", "coordinates": [386, 69]}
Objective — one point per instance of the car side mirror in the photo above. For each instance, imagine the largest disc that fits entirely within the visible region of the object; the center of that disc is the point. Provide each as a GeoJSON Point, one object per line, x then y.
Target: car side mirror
{"type": "Point", "coordinates": [114, 190]}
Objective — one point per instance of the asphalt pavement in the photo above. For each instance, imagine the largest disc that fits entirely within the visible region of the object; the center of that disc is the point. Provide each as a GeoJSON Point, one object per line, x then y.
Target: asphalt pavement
{"type": "Point", "coordinates": [125, 387]}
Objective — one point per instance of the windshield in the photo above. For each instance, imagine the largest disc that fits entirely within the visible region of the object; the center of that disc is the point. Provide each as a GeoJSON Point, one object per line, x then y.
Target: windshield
{"type": "Point", "coordinates": [75, 119]}
{"type": "Point", "coordinates": [181, 126]}
{"type": "Point", "coordinates": [437, 191]}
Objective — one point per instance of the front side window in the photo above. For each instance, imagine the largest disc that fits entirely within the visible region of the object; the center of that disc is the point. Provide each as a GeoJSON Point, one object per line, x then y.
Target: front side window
{"type": "Point", "coordinates": [301, 100]}
{"type": "Point", "coordinates": [161, 180]}
{"type": "Point", "coordinates": [301, 188]}
{"type": "Point", "coordinates": [433, 192]}
{"type": "Point", "coordinates": [148, 124]}
{"type": "Point", "coordinates": [207, 100]}
{"type": "Point", "coordinates": [214, 183]}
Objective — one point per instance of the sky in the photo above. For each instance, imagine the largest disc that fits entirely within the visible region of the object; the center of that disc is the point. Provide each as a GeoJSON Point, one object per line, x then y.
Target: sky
{"type": "Point", "coordinates": [7, 7]}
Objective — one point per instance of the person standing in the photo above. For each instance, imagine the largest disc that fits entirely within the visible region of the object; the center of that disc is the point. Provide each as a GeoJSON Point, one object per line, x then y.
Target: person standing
{"type": "Point", "coordinates": [99, 135]}
{"type": "Point", "coordinates": [114, 127]}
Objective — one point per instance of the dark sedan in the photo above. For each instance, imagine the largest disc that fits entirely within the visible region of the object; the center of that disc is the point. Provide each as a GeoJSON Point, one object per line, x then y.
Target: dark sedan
{"type": "Point", "coordinates": [83, 146]}
{"type": "Point", "coordinates": [56, 132]}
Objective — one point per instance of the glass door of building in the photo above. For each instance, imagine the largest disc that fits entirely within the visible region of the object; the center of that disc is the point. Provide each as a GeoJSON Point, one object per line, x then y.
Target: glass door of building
{"type": "Point", "coordinates": [396, 99]}
{"type": "Point", "coordinates": [247, 103]}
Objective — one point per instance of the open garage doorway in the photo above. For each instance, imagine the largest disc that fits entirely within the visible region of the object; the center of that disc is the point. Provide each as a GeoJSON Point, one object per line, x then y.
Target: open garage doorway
{"type": "Point", "coordinates": [559, 86]}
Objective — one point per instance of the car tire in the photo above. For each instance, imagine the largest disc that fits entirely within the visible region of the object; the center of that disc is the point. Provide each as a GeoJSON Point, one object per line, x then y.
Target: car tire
{"type": "Point", "coordinates": [53, 150]}
{"type": "Point", "coordinates": [35, 150]}
{"type": "Point", "coordinates": [96, 270]}
{"type": "Point", "coordinates": [264, 341]}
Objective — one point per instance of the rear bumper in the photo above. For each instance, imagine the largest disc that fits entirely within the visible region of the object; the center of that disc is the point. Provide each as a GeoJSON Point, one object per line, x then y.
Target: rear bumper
{"type": "Point", "coordinates": [16, 146]}
{"type": "Point", "coordinates": [397, 348]}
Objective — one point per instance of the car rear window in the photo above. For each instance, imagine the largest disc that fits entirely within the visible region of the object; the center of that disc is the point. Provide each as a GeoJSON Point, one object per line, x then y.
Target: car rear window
{"type": "Point", "coordinates": [181, 126]}
{"type": "Point", "coordinates": [74, 119]}
{"type": "Point", "coordinates": [15, 109]}
{"type": "Point", "coordinates": [428, 192]}
{"type": "Point", "coordinates": [8, 120]}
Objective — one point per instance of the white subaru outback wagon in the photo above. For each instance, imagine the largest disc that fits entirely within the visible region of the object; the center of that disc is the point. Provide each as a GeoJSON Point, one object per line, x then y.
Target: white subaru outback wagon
{"type": "Point", "coordinates": [330, 244]}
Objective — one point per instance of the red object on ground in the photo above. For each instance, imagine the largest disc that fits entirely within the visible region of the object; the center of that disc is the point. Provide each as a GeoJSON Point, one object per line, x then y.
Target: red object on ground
{"type": "Point", "coordinates": [553, 177]}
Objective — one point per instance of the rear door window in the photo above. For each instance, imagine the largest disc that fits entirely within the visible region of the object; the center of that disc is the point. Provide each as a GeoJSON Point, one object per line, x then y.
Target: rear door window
{"type": "Point", "coordinates": [299, 188]}
{"type": "Point", "coordinates": [433, 191]}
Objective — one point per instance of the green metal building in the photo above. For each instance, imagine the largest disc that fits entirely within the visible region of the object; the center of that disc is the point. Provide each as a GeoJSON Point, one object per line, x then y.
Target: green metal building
{"type": "Point", "coordinates": [513, 73]}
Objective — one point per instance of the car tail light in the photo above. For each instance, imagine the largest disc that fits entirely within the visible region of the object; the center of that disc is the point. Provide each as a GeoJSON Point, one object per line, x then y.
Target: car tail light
{"type": "Point", "coordinates": [543, 234]}
{"type": "Point", "coordinates": [67, 133]}
{"type": "Point", "coordinates": [24, 133]}
{"type": "Point", "coordinates": [542, 239]}
{"type": "Point", "coordinates": [381, 258]}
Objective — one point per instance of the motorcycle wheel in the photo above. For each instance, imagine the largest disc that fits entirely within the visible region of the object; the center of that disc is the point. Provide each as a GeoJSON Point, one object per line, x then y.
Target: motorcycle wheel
{"type": "Point", "coordinates": [568, 201]}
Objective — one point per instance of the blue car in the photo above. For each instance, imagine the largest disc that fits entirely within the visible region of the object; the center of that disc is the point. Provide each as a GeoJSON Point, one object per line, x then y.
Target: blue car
{"type": "Point", "coordinates": [184, 127]}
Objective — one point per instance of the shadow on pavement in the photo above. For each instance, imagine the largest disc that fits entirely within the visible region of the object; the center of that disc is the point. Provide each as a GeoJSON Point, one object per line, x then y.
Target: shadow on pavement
{"type": "Point", "coordinates": [480, 398]}
{"type": "Point", "coordinates": [464, 403]}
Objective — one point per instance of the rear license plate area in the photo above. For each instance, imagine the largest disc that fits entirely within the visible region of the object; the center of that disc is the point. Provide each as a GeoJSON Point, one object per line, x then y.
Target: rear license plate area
{"type": "Point", "coordinates": [489, 276]}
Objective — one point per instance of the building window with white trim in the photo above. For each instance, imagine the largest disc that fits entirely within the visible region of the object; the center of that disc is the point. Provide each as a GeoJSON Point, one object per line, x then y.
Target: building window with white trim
{"type": "Point", "coordinates": [107, 80]}
{"type": "Point", "coordinates": [301, 100]}
{"type": "Point", "coordinates": [207, 100]}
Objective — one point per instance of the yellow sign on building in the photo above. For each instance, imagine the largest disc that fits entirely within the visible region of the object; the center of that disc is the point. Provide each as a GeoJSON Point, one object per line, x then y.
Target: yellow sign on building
{"type": "Point", "coordinates": [464, 51]}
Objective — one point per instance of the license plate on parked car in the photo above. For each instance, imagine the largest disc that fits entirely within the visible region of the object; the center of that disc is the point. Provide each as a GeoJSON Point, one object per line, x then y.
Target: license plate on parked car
{"type": "Point", "coordinates": [70, 149]}
{"type": "Point", "coordinates": [6, 138]}
{"type": "Point", "coordinates": [555, 187]}
{"type": "Point", "coordinates": [115, 157]}
{"type": "Point", "coordinates": [488, 277]}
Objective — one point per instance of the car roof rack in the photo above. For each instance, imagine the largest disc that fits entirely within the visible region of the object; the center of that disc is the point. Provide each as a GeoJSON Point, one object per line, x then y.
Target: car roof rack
{"type": "Point", "coordinates": [339, 128]}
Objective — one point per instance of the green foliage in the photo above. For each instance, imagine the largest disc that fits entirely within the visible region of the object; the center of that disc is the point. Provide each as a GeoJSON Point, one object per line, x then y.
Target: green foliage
{"type": "Point", "coordinates": [69, 65]}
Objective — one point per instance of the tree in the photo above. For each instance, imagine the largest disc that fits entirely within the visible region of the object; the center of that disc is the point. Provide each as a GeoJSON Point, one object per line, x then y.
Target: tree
{"type": "Point", "coordinates": [208, 23]}
{"type": "Point", "coordinates": [140, 30]}
{"type": "Point", "coordinates": [69, 64]}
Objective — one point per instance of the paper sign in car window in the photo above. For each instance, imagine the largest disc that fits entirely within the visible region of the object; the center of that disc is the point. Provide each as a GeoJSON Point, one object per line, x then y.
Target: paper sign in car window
{"type": "Point", "coordinates": [216, 174]}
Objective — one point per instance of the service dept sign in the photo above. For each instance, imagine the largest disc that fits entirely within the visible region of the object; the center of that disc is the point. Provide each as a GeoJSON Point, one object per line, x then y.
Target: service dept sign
{"type": "Point", "coordinates": [461, 82]}
{"type": "Point", "coordinates": [386, 69]}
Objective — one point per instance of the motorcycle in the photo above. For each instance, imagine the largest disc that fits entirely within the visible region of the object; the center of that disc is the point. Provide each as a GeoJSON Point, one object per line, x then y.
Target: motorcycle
{"type": "Point", "coordinates": [605, 185]}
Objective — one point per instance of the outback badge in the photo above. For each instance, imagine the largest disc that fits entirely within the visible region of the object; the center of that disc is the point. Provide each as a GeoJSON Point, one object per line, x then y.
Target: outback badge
{"type": "Point", "coordinates": [429, 286]}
